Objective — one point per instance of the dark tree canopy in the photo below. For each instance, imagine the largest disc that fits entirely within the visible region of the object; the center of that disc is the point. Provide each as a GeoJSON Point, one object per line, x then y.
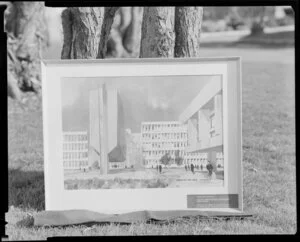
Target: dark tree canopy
{"type": "Point", "coordinates": [165, 159]}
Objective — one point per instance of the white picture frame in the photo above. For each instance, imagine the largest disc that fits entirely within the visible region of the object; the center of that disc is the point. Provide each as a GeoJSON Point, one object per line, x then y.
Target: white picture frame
{"type": "Point", "coordinates": [228, 197]}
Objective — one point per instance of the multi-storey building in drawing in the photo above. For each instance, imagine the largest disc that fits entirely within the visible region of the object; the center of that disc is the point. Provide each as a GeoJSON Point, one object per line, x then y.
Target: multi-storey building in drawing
{"type": "Point", "coordinates": [203, 118]}
{"type": "Point", "coordinates": [75, 150]}
{"type": "Point", "coordinates": [198, 158]}
{"type": "Point", "coordinates": [195, 158]}
{"type": "Point", "coordinates": [159, 138]}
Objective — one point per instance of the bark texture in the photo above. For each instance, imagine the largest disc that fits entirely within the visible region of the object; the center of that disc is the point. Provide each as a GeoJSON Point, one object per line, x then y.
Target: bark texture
{"type": "Point", "coordinates": [109, 15]}
{"type": "Point", "coordinates": [158, 37]}
{"type": "Point", "coordinates": [188, 22]}
{"type": "Point", "coordinates": [26, 20]}
{"type": "Point", "coordinates": [66, 19]}
{"type": "Point", "coordinates": [13, 89]}
{"type": "Point", "coordinates": [86, 30]}
{"type": "Point", "coordinates": [27, 33]}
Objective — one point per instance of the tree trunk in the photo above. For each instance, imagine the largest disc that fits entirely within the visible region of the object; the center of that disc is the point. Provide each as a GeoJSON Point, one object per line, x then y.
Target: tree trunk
{"type": "Point", "coordinates": [13, 68]}
{"type": "Point", "coordinates": [188, 22]}
{"type": "Point", "coordinates": [109, 15]}
{"type": "Point", "coordinates": [26, 25]}
{"type": "Point", "coordinates": [125, 18]}
{"type": "Point", "coordinates": [86, 30]}
{"type": "Point", "coordinates": [132, 33]}
{"type": "Point", "coordinates": [115, 47]}
{"type": "Point", "coordinates": [66, 20]}
{"type": "Point", "coordinates": [158, 38]}
{"type": "Point", "coordinates": [257, 25]}
{"type": "Point", "coordinates": [125, 35]}
{"type": "Point", "coordinates": [13, 89]}
{"type": "Point", "coordinates": [26, 20]}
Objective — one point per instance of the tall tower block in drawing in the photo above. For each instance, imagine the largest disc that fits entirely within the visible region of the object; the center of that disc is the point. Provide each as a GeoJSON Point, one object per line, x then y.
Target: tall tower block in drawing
{"type": "Point", "coordinates": [106, 128]}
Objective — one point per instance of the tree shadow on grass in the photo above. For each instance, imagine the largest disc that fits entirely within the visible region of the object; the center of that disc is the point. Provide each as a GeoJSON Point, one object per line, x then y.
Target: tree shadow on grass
{"type": "Point", "coordinates": [26, 189]}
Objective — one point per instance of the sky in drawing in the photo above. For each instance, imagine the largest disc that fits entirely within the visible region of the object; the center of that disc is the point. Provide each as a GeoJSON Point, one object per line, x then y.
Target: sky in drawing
{"type": "Point", "coordinates": [156, 98]}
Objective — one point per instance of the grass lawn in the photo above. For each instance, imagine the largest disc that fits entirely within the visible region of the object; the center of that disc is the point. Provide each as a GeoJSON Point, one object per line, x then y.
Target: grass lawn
{"type": "Point", "coordinates": [269, 39]}
{"type": "Point", "coordinates": [263, 40]}
{"type": "Point", "coordinates": [268, 160]}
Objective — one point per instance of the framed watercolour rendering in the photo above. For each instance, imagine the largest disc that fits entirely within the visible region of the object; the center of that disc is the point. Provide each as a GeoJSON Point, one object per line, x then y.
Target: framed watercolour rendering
{"type": "Point", "coordinates": [123, 135]}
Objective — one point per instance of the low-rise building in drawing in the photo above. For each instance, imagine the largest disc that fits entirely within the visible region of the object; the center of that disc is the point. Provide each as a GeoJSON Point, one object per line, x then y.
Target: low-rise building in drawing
{"type": "Point", "coordinates": [75, 150]}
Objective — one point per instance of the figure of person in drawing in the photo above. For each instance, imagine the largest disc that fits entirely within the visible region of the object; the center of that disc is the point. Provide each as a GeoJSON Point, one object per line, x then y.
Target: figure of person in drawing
{"type": "Point", "coordinates": [211, 170]}
{"type": "Point", "coordinates": [209, 167]}
{"type": "Point", "coordinates": [160, 168]}
{"type": "Point", "coordinates": [192, 168]}
{"type": "Point", "coordinates": [185, 167]}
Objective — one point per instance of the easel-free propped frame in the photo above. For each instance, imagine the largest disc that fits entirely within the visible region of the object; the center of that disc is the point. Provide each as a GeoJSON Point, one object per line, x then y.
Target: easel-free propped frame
{"type": "Point", "coordinates": [109, 201]}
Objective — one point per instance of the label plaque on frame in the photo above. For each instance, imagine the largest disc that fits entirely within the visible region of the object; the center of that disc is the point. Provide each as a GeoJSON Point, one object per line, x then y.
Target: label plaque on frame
{"type": "Point", "coordinates": [213, 201]}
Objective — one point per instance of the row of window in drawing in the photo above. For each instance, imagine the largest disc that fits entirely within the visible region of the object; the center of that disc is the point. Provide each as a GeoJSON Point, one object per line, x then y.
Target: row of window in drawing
{"type": "Point", "coordinates": [75, 137]}
{"type": "Point", "coordinates": [116, 165]}
{"type": "Point", "coordinates": [160, 126]}
{"type": "Point", "coordinates": [76, 164]}
{"type": "Point", "coordinates": [75, 146]}
{"type": "Point", "coordinates": [198, 161]}
{"type": "Point", "coordinates": [165, 136]}
{"type": "Point", "coordinates": [74, 155]}
{"type": "Point", "coordinates": [165, 145]}
{"type": "Point", "coordinates": [162, 152]}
